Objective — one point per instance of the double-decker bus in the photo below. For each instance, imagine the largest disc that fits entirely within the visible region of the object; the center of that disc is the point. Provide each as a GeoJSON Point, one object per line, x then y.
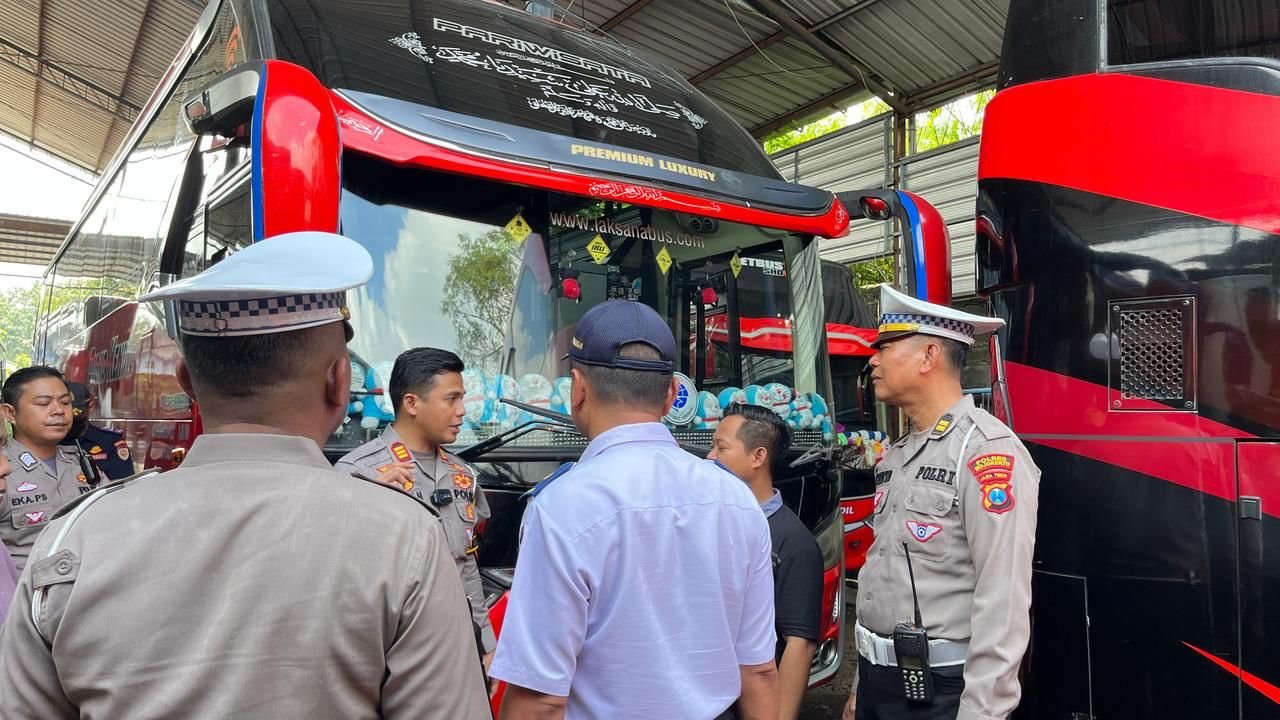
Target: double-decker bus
{"type": "Point", "coordinates": [1129, 232]}
{"type": "Point", "coordinates": [506, 172]}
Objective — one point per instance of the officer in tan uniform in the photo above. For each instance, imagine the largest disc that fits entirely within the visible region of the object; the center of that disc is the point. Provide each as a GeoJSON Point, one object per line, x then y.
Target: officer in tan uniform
{"type": "Point", "coordinates": [45, 475]}
{"type": "Point", "coordinates": [959, 492]}
{"type": "Point", "coordinates": [253, 581]}
{"type": "Point", "coordinates": [426, 393]}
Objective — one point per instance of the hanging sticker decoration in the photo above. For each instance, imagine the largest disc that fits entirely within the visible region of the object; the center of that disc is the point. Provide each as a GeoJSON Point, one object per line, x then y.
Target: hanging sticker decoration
{"type": "Point", "coordinates": [664, 260]}
{"type": "Point", "coordinates": [518, 228]}
{"type": "Point", "coordinates": [735, 264]}
{"type": "Point", "coordinates": [598, 248]}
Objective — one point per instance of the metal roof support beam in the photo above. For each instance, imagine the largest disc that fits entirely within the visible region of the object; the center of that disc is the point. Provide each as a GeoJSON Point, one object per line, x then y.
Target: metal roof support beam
{"type": "Point", "coordinates": [621, 17]}
{"type": "Point", "coordinates": [844, 92]}
{"type": "Point", "coordinates": [46, 71]}
{"type": "Point", "coordinates": [779, 14]}
{"type": "Point", "coordinates": [771, 39]}
{"type": "Point", "coordinates": [105, 154]}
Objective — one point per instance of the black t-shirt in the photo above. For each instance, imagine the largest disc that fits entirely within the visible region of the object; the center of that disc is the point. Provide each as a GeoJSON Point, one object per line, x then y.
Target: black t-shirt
{"type": "Point", "coordinates": [797, 579]}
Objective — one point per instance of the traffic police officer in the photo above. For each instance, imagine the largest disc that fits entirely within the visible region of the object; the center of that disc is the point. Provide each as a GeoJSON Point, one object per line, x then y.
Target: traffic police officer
{"type": "Point", "coordinates": [253, 580]}
{"type": "Point", "coordinates": [959, 492]}
{"type": "Point", "coordinates": [107, 449]}
{"type": "Point", "coordinates": [426, 393]}
{"type": "Point", "coordinates": [45, 475]}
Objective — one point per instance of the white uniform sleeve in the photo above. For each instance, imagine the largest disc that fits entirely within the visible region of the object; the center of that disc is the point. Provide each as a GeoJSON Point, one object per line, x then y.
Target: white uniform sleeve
{"type": "Point", "coordinates": [756, 643]}
{"type": "Point", "coordinates": [546, 617]}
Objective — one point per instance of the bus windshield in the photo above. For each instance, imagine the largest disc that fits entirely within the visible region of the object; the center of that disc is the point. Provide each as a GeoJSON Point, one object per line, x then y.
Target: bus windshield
{"type": "Point", "coordinates": [485, 61]}
{"type": "Point", "coordinates": [501, 274]}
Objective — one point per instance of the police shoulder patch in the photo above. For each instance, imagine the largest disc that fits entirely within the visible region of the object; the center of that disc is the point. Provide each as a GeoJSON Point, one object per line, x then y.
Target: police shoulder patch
{"type": "Point", "coordinates": [992, 467]}
{"type": "Point", "coordinates": [923, 532]}
{"type": "Point", "coordinates": [997, 497]}
{"type": "Point", "coordinates": [537, 489]}
{"type": "Point", "coordinates": [29, 461]}
{"type": "Point", "coordinates": [942, 426]}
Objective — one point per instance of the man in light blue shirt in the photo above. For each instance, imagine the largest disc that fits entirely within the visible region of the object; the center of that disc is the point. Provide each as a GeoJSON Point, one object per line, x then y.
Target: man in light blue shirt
{"type": "Point", "coordinates": [644, 587]}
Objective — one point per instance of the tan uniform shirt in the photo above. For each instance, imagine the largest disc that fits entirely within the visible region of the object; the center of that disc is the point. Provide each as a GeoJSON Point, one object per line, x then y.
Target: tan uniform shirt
{"type": "Point", "coordinates": [964, 498]}
{"type": "Point", "coordinates": [252, 581]}
{"type": "Point", "coordinates": [442, 472]}
{"type": "Point", "coordinates": [33, 493]}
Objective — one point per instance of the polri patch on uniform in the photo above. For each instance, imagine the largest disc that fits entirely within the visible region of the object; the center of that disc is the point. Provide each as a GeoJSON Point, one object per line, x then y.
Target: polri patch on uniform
{"type": "Point", "coordinates": [471, 512]}
{"type": "Point", "coordinates": [383, 468]}
{"type": "Point", "coordinates": [122, 449]}
{"type": "Point", "coordinates": [875, 504]}
{"type": "Point", "coordinates": [400, 452]}
{"type": "Point", "coordinates": [27, 487]}
{"type": "Point", "coordinates": [994, 467]}
{"type": "Point", "coordinates": [28, 460]}
{"type": "Point", "coordinates": [923, 532]}
{"type": "Point", "coordinates": [461, 480]}
{"type": "Point", "coordinates": [997, 496]}
{"type": "Point", "coordinates": [80, 478]}
{"type": "Point", "coordinates": [95, 449]}
{"type": "Point", "coordinates": [34, 518]}
{"type": "Point", "coordinates": [944, 422]}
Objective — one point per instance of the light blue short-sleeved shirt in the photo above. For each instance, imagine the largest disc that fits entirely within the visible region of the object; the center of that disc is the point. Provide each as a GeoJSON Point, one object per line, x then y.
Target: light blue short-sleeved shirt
{"type": "Point", "coordinates": [644, 580]}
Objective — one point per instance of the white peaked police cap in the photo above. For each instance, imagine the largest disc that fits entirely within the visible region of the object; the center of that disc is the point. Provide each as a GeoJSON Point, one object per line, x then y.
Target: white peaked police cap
{"type": "Point", "coordinates": [284, 283]}
{"type": "Point", "coordinates": [902, 315]}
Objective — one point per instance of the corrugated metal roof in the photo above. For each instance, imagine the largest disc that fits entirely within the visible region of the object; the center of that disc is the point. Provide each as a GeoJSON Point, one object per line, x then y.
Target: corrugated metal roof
{"type": "Point", "coordinates": [74, 72]}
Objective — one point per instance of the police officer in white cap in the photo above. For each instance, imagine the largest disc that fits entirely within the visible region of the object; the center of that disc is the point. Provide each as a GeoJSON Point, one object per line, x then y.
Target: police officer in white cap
{"type": "Point", "coordinates": [254, 580]}
{"type": "Point", "coordinates": [958, 493]}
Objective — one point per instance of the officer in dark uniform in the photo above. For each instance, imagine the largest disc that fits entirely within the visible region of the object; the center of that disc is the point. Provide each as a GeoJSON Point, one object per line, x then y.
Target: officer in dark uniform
{"type": "Point", "coordinates": [106, 448]}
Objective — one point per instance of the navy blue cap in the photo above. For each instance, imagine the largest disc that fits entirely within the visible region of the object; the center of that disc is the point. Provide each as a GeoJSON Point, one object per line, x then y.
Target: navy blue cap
{"type": "Point", "coordinates": [610, 325]}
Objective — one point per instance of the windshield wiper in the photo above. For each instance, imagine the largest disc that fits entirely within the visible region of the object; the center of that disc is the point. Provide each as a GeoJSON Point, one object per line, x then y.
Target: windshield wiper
{"type": "Point", "coordinates": [699, 450]}
{"type": "Point", "coordinates": [488, 445]}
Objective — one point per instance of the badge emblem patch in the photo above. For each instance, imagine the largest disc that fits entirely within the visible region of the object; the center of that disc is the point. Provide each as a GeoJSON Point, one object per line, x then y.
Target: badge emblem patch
{"type": "Point", "coordinates": [122, 449]}
{"type": "Point", "coordinates": [28, 460]}
{"type": "Point", "coordinates": [878, 500]}
{"type": "Point", "coordinates": [81, 479]}
{"type": "Point", "coordinates": [471, 511]}
{"type": "Point", "coordinates": [95, 449]}
{"type": "Point", "coordinates": [924, 532]}
{"type": "Point", "coordinates": [34, 518]}
{"type": "Point", "coordinates": [462, 481]}
{"type": "Point", "coordinates": [27, 487]}
{"type": "Point", "coordinates": [997, 497]}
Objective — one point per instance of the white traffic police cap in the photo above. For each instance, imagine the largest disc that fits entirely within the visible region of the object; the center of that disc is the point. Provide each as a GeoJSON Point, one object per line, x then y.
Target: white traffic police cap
{"type": "Point", "coordinates": [284, 283]}
{"type": "Point", "coordinates": [902, 315]}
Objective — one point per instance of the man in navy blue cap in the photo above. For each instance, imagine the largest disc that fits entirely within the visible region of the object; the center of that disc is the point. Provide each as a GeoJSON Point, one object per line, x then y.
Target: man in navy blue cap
{"type": "Point", "coordinates": [644, 586]}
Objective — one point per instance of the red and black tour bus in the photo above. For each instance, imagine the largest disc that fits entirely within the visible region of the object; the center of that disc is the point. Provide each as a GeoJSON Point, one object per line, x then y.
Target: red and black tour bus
{"type": "Point", "coordinates": [1129, 232]}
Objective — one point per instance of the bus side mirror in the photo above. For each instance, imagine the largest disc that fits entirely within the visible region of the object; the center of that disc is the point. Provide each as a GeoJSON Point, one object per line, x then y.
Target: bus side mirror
{"type": "Point", "coordinates": [226, 103]}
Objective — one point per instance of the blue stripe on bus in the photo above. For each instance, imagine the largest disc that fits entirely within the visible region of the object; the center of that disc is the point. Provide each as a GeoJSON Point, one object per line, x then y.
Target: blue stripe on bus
{"type": "Point", "coordinates": [255, 171]}
{"type": "Point", "coordinates": [921, 289]}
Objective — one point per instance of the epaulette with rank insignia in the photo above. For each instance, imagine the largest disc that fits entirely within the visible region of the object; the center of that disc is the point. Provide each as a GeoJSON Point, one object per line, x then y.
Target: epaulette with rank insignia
{"type": "Point", "coordinates": [548, 480]}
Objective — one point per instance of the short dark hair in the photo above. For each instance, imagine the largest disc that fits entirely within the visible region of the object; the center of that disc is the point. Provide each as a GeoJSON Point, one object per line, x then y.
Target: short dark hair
{"type": "Point", "coordinates": [416, 369]}
{"type": "Point", "coordinates": [622, 386]}
{"type": "Point", "coordinates": [242, 366]}
{"type": "Point", "coordinates": [11, 392]}
{"type": "Point", "coordinates": [762, 427]}
{"type": "Point", "coordinates": [956, 352]}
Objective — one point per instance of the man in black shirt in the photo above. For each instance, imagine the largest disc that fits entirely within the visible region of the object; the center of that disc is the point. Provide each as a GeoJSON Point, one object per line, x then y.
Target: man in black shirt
{"type": "Point", "coordinates": [752, 442]}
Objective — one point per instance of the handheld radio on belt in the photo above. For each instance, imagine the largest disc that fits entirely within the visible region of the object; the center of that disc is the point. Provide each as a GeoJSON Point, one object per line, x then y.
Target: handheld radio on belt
{"type": "Point", "coordinates": [911, 645]}
{"type": "Point", "coordinates": [88, 468]}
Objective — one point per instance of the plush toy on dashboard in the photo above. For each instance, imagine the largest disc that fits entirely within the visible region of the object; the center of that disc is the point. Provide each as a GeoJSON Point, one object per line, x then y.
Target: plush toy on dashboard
{"type": "Point", "coordinates": [709, 412]}
{"type": "Point", "coordinates": [731, 395]}
{"type": "Point", "coordinates": [503, 415]}
{"type": "Point", "coordinates": [755, 395]}
{"type": "Point", "coordinates": [356, 404]}
{"type": "Point", "coordinates": [801, 416]}
{"type": "Point", "coordinates": [777, 397]}
{"type": "Point", "coordinates": [474, 401]}
{"type": "Point", "coordinates": [533, 389]}
{"type": "Point", "coordinates": [376, 407]}
{"type": "Point", "coordinates": [561, 395]}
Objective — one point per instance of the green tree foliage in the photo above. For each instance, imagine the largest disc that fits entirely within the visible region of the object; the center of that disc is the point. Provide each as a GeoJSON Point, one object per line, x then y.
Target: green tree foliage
{"type": "Point", "coordinates": [872, 272]}
{"type": "Point", "coordinates": [795, 135]}
{"type": "Point", "coordinates": [479, 292]}
{"type": "Point", "coordinates": [952, 122]}
{"type": "Point", "coordinates": [18, 310]}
